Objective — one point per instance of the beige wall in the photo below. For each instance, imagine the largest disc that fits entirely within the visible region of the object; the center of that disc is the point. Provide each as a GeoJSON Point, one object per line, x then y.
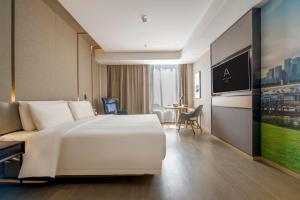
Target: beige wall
{"type": "Point", "coordinates": [5, 50]}
{"type": "Point", "coordinates": [45, 54]}
{"type": "Point", "coordinates": [85, 69]}
{"type": "Point", "coordinates": [203, 65]}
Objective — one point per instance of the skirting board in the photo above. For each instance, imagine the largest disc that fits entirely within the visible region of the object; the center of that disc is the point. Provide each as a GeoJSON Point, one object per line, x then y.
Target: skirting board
{"type": "Point", "coordinates": [234, 148]}
{"type": "Point", "coordinates": [278, 167]}
{"type": "Point", "coordinates": [261, 159]}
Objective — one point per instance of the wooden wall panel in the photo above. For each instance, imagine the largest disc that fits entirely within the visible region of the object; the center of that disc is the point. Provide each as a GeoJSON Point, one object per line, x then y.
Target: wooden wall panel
{"type": "Point", "coordinates": [5, 50]}
{"type": "Point", "coordinates": [85, 68]}
{"type": "Point", "coordinates": [45, 54]}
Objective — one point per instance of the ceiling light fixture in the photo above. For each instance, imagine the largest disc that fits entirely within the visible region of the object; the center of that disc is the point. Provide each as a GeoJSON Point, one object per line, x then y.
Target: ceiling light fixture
{"type": "Point", "coordinates": [145, 18]}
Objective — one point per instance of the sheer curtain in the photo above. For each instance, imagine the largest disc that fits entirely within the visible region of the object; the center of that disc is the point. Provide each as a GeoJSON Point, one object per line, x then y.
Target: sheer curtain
{"type": "Point", "coordinates": [164, 90]}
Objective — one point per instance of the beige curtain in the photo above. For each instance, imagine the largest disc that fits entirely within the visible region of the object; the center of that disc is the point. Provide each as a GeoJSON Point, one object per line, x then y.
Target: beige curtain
{"type": "Point", "coordinates": [102, 74]}
{"type": "Point", "coordinates": [130, 84]}
{"type": "Point", "coordinates": [186, 84]}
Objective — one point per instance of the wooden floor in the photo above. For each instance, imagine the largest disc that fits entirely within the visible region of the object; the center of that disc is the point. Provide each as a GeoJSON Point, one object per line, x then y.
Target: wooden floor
{"type": "Point", "coordinates": [196, 167]}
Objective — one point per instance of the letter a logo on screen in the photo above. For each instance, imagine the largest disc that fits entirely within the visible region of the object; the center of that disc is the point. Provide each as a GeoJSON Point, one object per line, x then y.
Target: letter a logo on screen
{"type": "Point", "coordinates": [226, 76]}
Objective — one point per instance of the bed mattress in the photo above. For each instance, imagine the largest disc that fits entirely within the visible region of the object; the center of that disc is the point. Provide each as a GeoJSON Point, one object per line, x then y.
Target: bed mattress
{"type": "Point", "coordinates": [18, 136]}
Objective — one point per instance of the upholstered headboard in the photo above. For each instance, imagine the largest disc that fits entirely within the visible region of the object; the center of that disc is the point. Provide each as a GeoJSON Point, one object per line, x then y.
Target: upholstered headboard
{"type": "Point", "coordinates": [9, 118]}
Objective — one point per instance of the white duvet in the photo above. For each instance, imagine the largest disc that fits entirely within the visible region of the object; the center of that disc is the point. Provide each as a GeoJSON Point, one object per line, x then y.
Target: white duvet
{"type": "Point", "coordinates": [103, 145]}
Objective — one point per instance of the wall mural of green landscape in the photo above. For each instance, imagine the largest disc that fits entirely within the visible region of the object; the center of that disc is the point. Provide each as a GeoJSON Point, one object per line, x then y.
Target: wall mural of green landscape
{"type": "Point", "coordinates": [280, 130]}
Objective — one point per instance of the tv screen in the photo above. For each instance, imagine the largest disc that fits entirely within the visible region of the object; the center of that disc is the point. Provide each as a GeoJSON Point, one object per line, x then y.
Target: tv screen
{"type": "Point", "coordinates": [233, 75]}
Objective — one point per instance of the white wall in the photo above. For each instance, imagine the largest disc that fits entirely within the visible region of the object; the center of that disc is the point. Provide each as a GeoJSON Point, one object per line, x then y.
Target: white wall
{"type": "Point", "coordinates": [203, 65]}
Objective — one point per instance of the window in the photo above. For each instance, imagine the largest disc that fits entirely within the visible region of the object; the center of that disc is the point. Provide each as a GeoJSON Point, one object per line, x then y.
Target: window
{"type": "Point", "coordinates": [164, 90]}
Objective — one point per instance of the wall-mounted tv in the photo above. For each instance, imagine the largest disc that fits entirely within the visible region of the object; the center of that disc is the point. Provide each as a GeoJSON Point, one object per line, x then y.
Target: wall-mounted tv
{"type": "Point", "coordinates": [232, 75]}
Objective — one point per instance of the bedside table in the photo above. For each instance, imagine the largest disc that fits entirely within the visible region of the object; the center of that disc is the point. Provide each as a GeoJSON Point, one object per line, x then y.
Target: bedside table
{"type": "Point", "coordinates": [10, 150]}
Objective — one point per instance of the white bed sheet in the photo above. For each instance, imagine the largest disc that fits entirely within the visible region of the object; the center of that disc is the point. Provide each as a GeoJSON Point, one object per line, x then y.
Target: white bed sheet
{"type": "Point", "coordinates": [103, 145]}
{"type": "Point", "coordinates": [119, 144]}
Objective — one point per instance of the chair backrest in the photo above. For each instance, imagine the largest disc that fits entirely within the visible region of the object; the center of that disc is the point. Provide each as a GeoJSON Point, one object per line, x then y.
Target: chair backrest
{"type": "Point", "coordinates": [197, 112]}
{"type": "Point", "coordinates": [111, 106]}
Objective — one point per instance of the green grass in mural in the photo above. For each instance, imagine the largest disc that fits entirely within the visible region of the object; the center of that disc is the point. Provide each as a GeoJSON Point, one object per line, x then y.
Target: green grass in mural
{"type": "Point", "coordinates": [281, 145]}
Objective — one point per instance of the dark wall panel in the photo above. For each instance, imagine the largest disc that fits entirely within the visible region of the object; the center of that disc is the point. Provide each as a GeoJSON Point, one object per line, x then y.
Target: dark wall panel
{"type": "Point", "coordinates": [239, 125]}
{"type": "Point", "coordinates": [237, 37]}
{"type": "Point", "coordinates": [232, 125]}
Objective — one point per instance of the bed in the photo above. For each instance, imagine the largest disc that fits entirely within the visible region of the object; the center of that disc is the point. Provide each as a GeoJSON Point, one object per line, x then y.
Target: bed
{"type": "Point", "coordinates": [99, 145]}
{"type": "Point", "coordinates": [18, 136]}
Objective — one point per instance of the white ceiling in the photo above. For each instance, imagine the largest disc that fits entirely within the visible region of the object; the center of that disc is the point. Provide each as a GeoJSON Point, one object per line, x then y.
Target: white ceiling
{"type": "Point", "coordinates": [117, 24]}
{"type": "Point", "coordinates": [185, 27]}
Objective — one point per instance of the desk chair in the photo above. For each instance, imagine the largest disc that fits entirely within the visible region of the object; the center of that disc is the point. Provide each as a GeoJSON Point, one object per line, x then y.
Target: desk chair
{"type": "Point", "coordinates": [191, 118]}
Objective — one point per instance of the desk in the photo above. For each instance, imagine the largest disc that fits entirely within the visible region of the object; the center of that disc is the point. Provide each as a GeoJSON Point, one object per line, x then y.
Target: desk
{"type": "Point", "coordinates": [177, 110]}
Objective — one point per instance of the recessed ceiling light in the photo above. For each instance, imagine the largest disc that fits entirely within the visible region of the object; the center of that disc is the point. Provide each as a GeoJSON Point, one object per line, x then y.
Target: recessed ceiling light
{"type": "Point", "coordinates": [145, 18]}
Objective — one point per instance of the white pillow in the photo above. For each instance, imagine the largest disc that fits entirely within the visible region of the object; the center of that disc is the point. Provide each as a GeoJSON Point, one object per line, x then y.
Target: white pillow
{"type": "Point", "coordinates": [50, 115]}
{"type": "Point", "coordinates": [81, 109]}
{"type": "Point", "coordinates": [25, 114]}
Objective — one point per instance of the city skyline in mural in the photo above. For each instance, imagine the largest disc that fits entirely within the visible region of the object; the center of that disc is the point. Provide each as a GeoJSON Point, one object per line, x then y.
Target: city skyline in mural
{"type": "Point", "coordinates": [286, 73]}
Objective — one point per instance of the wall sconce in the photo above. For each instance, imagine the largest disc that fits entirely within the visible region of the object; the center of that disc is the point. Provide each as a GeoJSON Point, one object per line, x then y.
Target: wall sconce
{"type": "Point", "coordinates": [85, 97]}
{"type": "Point", "coordinates": [13, 95]}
